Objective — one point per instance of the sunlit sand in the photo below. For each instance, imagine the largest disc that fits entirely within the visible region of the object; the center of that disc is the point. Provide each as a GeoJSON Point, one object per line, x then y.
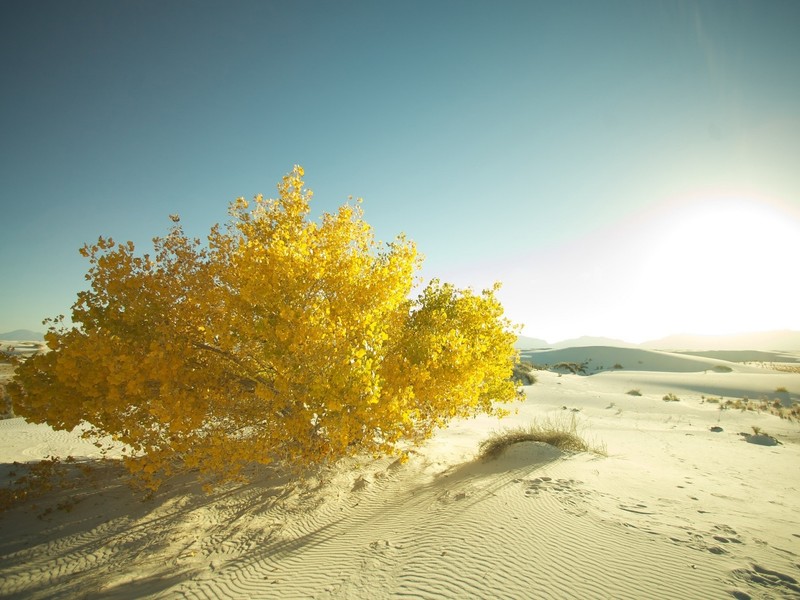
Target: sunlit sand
{"type": "Point", "coordinates": [681, 507]}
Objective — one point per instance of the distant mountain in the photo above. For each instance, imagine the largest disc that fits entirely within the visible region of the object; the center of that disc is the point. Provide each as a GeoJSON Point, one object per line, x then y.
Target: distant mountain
{"type": "Point", "coordinates": [529, 343]}
{"type": "Point", "coordinates": [22, 335]}
{"type": "Point", "coordinates": [786, 341]}
{"type": "Point", "coordinates": [740, 356]}
{"type": "Point", "coordinates": [592, 341]}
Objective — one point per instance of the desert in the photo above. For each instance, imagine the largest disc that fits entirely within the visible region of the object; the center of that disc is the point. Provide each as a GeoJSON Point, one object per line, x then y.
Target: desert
{"type": "Point", "coordinates": [272, 273]}
{"type": "Point", "coordinates": [690, 491]}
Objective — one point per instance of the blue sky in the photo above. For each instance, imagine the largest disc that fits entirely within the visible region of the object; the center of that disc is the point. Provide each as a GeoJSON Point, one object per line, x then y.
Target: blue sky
{"type": "Point", "coordinates": [625, 168]}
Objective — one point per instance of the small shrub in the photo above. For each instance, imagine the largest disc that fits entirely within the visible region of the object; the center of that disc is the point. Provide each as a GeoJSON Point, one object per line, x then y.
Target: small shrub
{"type": "Point", "coordinates": [574, 368]}
{"type": "Point", "coordinates": [561, 433]}
{"type": "Point", "coordinates": [635, 392]}
{"type": "Point", "coordinates": [742, 404]}
{"type": "Point", "coordinates": [671, 398]}
{"type": "Point", "coordinates": [523, 373]}
{"type": "Point", "coordinates": [782, 390]}
{"type": "Point", "coordinates": [618, 366]}
{"type": "Point", "coordinates": [775, 407]}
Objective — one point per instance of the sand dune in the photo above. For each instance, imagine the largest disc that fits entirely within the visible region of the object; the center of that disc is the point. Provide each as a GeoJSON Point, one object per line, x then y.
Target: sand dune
{"type": "Point", "coordinates": [604, 358]}
{"type": "Point", "coordinates": [22, 347]}
{"type": "Point", "coordinates": [675, 510]}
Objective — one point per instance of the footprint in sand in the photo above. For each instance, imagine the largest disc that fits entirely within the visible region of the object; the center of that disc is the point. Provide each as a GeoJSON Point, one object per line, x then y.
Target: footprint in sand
{"type": "Point", "coordinates": [448, 497]}
{"type": "Point", "coordinates": [548, 484]}
{"type": "Point", "coordinates": [382, 546]}
{"type": "Point", "coordinates": [382, 551]}
{"type": "Point", "coordinates": [722, 536]}
{"type": "Point", "coordinates": [763, 577]}
{"type": "Point", "coordinates": [724, 540]}
{"type": "Point", "coordinates": [565, 490]}
{"type": "Point", "coordinates": [726, 535]}
{"type": "Point", "coordinates": [639, 509]}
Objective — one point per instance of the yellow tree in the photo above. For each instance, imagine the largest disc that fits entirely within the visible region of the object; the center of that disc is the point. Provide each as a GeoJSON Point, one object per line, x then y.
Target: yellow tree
{"type": "Point", "coordinates": [281, 339]}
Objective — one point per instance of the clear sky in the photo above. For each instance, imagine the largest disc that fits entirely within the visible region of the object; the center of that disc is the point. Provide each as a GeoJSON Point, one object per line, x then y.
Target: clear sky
{"type": "Point", "coordinates": [626, 168]}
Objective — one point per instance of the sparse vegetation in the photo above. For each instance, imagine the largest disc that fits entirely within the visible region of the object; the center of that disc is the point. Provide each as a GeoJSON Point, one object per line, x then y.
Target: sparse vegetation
{"type": "Point", "coordinates": [574, 368]}
{"type": "Point", "coordinates": [671, 398]}
{"type": "Point", "coordinates": [523, 373]}
{"type": "Point", "coordinates": [618, 366]}
{"type": "Point", "coordinates": [719, 414]}
{"type": "Point", "coordinates": [634, 392]}
{"type": "Point", "coordinates": [781, 390]}
{"type": "Point", "coordinates": [790, 413]}
{"type": "Point", "coordinates": [562, 433]}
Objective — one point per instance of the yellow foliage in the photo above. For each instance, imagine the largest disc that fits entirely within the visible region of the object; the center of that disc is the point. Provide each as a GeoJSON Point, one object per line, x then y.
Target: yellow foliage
{"type": "Point", "coordinates": [281, 339]}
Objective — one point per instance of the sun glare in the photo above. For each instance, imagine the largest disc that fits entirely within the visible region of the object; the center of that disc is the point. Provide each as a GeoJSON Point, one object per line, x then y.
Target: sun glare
{"type": "Point", "coordinates": [725, 265]}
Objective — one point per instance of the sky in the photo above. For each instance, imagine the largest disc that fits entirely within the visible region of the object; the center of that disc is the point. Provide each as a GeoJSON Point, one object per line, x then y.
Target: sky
{"type": "Point", "coordinates": [626, 169]}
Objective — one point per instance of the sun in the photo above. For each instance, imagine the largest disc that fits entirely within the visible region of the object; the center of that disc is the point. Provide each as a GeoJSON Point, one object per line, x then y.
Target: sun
{"type": "Point", "coordinates": [724, 265]}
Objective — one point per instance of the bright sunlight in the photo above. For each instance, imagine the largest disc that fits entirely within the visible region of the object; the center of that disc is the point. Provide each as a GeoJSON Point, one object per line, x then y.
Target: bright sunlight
{"type": "Point", "coordinates": [723, 265]}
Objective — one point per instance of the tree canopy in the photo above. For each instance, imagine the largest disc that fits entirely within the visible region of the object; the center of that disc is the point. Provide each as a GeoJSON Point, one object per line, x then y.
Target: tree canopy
{"type": "Point", "coordinates": [279, 339]}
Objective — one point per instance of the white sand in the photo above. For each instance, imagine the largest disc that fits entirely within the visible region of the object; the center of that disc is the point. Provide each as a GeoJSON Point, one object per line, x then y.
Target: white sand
{"type": "Point", "coordinates": [674, 511]}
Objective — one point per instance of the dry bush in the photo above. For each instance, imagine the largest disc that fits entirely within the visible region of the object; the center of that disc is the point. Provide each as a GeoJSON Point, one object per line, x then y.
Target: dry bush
{"type": "Point", "coordinates": [634, 392]}
{"type": "Point", "coordinates": [786, 368]}
{"type": "Point", "coordinates": [571, 367]}
{"type": "Point", "coordinates": [523, 373]}
{"type": "Point", "coordinates": [562, 433]}
{"type": "Point", "coordinates": [671, 398]}
{"type": "Point", "coordinates": [6, 405]}
{"type": "Point", "coordinates": [774, 407]}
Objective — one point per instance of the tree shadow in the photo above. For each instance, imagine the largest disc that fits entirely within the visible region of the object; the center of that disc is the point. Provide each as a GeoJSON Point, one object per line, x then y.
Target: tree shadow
{"type": "Point", "coordinates": [96, 537]}
{"type": "Point", "coordinates": [83, 531]}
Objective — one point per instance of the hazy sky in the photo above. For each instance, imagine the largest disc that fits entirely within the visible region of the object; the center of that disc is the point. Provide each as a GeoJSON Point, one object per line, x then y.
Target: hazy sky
{"type": "Point", "coordinates": [625, 168]}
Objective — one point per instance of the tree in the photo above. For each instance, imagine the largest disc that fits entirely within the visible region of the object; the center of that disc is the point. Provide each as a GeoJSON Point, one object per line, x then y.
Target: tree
{"type": "Point", "coordinates": [281, 339]}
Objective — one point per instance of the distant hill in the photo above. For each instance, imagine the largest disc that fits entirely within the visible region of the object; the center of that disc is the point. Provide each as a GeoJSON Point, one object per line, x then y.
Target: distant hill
{"type": "Point", "coordinates": [22, 335]}
{"type": "Point", "coordinates": [787, 341]}
{"type": "Point", "coordinates": [744, 355]}
{"type": "Point", "coordinates": [592, 341]}
{"type": "Point", "coordinates": [529, 343]}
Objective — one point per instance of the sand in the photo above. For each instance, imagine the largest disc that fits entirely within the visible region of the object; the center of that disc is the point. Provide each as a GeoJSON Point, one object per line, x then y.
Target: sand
{"type": "Point", "coordinates": [675, 510]}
